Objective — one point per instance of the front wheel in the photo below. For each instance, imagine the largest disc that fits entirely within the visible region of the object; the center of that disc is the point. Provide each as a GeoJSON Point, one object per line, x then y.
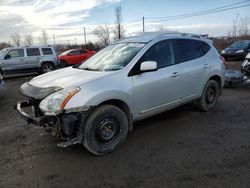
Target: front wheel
{"type": "Point", "coordinates": [209, 96]}
{"type": "Point", "coordinates": [47, 67]}
{"type": "Point", "coordinates": [105, 130]}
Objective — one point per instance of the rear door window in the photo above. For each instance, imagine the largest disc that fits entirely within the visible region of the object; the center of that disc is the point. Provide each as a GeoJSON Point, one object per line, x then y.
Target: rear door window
{"type": "Point", "coordinates": [189, 49]}
{"type": "Point", "coordinates": [33, 52]}
{"type": "Point", "coordinates": [47, 51]}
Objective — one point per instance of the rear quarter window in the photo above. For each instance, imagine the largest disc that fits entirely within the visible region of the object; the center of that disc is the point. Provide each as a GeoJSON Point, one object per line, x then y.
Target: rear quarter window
{"type": "Point", "coordinates": [47, 51]}
{"type": "Point", "coordinates": [188, 49]}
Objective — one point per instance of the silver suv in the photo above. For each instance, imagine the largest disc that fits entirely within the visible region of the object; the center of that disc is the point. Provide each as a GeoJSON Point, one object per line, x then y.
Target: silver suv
{"type": "Point", "coordinates": [96, 103]}
{"type": "Point", "coordinates": [28, 59]}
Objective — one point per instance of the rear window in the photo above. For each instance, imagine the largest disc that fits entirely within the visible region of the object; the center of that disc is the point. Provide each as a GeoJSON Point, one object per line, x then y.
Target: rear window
{"type": "Point", "coordinates": [188, 49]}
{"type": "Point", "coordinates": [33, 52]}
{"type": "Point", "coordinates": [47, 51]}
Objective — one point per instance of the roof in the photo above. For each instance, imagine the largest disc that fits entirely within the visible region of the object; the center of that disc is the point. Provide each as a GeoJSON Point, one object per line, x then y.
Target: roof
{"type": "Point", "coordinates": [149, 36]}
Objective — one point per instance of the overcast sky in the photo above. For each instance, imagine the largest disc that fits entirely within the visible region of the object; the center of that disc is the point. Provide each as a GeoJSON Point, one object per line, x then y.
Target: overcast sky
{"type": "Point", "coordinates": [66, 18]}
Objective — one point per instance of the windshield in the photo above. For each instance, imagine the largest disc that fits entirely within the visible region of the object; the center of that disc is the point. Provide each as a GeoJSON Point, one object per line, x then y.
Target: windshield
{"type": "Point", "coordinates": [2, 52]}
{"type": "Point", "coordinates": [113, 57]}
{"type": "Point", "coordinates": [240, 45]}
{"type": "Point", "coordinates": [65, 53]}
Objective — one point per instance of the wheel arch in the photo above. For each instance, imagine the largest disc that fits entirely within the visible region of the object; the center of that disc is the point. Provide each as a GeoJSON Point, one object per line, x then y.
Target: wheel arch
{"type": "Point", "coordinates": [124, 107]}
{"type": "Point", "coordinates": [218, 79]}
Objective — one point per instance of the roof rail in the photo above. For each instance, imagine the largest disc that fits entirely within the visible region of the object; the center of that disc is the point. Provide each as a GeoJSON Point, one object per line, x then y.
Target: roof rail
{"type": "Point", "coordinates": [191, 35]}
{"type": "Point", "coordinates": [159, 34]}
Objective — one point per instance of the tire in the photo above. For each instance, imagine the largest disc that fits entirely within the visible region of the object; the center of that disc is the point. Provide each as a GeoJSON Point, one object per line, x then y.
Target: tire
{"type": "Point", "coordinates": [209, 96]}
{"type": "Point", "coordinates": [63, 63]}
{"type": "Point", "coordinates": [47, 67]}
{"type": "Point", "coordinates": [105, 130]}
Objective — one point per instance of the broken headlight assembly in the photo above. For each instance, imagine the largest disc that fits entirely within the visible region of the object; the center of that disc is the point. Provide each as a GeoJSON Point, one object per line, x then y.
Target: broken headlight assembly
{"type": "Point", "coordinates": [55, 103]}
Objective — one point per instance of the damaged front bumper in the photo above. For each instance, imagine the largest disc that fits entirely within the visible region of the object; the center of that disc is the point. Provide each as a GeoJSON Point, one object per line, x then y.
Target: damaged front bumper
{"type": "Point", "coordinates": [67, 127]}
{"type": "Point", "coordinates": [39, 121]}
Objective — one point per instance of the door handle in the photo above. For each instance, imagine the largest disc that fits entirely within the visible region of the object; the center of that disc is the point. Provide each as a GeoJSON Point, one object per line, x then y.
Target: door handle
{"type": "Point", "coordinates": [206, 66]}
{"type": "Point", "coordinates": [175, 74]}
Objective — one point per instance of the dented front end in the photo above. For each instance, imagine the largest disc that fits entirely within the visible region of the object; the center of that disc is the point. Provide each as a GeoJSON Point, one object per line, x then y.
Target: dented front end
{"type": "Point", "coordinates": [66, 124]}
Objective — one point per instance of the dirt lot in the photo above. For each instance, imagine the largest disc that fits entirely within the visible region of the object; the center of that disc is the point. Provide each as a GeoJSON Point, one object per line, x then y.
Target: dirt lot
{"type": "Point", "coordinates": [179, 148]}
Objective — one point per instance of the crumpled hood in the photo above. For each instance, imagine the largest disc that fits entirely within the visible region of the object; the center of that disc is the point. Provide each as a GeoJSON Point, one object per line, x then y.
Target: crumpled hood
{"type": "Point", "coordinates": [66, 77]}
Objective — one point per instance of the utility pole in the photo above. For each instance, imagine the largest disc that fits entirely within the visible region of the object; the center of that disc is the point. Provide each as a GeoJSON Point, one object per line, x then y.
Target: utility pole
{"type": "Point", "coordinates": [54, 39]}
{"type": "Point", "coordinates": [143, 24]}
{"type": "Point", "coordinates": [85, 36]}
{"type": "Point", "coordinates": [75, 41]}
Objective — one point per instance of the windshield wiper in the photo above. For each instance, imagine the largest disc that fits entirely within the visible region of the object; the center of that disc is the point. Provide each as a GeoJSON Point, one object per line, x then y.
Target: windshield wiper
{"type": "Point", "coordinates": [86, 68]}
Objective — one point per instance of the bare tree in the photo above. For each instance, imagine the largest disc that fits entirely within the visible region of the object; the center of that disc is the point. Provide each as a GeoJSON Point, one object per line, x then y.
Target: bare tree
{"type": "Point", "coordinates": [3, 45]}
{"type": "Point", "coordinates": [16, 38]}
{"type": "Point", "coordinates": [43, 39]}
{"type": "Point", "coordinates": [103, 33]}
{"type": "Point", "coordinates": [118, 29]}
{"type": "Point", "coordinates": [28, 40]}
{"type": "Point", "coordinates": [235, 26]}
{"type": "Point", "coordinates": [243, 27]}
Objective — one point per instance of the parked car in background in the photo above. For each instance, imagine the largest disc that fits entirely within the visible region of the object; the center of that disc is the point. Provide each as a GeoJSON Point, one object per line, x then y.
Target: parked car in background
{"type": "Point", "coordinates": [245, 67]}
{"type": "Point", "coordinates": [15, 60]}
{"type": "Point", "coordinates": [74, 56]}
{"type": "Point", "coordinates": [96, 103]}
{"type": "Point", "coordinates": [237, 50]}
{"type": "Point", "coordinates": [1, 81]}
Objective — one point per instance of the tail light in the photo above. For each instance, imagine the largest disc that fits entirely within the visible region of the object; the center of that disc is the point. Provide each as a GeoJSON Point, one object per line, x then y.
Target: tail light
{"type": "Point", "coordinates": [222, 59]}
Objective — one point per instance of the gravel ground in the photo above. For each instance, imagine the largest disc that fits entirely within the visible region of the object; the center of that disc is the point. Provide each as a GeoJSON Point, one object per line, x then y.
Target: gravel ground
{"type": "Point", "coordinates": [180, 148]}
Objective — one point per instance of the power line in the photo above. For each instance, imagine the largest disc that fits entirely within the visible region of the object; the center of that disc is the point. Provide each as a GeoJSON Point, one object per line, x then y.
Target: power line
{"type": "Point", "coordinates": [133, 21]}
{"type": "Point", "coordinates": [200, 12]}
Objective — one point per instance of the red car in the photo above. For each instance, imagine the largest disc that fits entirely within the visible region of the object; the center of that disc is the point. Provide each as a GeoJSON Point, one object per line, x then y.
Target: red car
{"type": "Point", "coordinates": [74, 56]}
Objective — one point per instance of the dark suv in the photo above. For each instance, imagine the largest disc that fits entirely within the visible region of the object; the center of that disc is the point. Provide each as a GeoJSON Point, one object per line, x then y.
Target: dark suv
{"type": "Point", "coordinates": [237, 50]}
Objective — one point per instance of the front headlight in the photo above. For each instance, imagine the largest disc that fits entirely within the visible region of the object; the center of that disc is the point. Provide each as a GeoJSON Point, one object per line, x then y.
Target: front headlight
{"type": "Point", "coordinates": [239, 51]}
{"type": "Point", "coordinates": [56, 102]}
{"type": "Point", "coordinates": [223, 51]}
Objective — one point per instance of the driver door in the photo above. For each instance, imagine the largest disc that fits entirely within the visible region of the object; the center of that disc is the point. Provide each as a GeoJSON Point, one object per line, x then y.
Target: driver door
{"type": "Point", "coordinates": [156, 91]}
{"type": "Point", "coordinates": [14, 61]}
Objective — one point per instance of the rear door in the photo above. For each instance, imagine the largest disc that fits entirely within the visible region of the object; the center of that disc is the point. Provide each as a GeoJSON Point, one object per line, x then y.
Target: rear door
{"type": "Point", "coordinates": [15, 61]}
{"type": "Point", "coordinates": [83, 55]}
{"type": "Point", "coordinates": [33, 58]}
{"type": "Point", "coordinates": [74, 57]}
{"type": "Point", "coordinates": [156, 91]}
{"type": "Point", "coordinates": [195, 65]}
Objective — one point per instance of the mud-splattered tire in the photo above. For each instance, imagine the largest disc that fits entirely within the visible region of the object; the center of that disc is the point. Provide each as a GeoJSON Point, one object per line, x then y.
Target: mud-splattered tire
{"type": "Point", "coordinates": [209, 96]}
{"type": "Point", "coordinates": [105, 130]}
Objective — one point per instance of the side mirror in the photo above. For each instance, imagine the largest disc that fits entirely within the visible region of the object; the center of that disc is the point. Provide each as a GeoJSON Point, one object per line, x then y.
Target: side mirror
{"type": "Point", "coordinates": [8, 56]}
{"type": "Point", "coordinates": [148, 66]}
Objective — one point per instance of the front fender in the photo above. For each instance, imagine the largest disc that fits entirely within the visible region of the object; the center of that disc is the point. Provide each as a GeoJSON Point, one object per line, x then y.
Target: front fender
{"type": "Point", "coordinates": [80, 100]}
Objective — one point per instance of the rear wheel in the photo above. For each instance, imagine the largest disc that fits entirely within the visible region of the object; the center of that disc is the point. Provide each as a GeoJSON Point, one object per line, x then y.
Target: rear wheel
{"type": "Point", "coordinates": [209, 96]}
{"type": "Point", "coordinates": [105, 130]}
{"type": "Point", "coordinates": [47, 67]}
